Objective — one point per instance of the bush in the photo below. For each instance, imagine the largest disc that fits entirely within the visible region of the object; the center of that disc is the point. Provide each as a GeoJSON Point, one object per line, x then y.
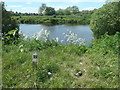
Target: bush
{"type": "Point", "coordinates": [8, 25]}
{"type": "Point", "coordinates": [53, 21]}
{"type": "Point", "coordinates": [107, 44]}
{"type": "Point", "coordinates": [106, 19]}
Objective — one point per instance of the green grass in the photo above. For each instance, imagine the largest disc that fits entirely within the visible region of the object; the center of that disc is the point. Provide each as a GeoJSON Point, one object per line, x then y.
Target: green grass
{"type": "Point", "coordinates": [58, 19]}
{"type": "Point", "coordinates": [98, 63]}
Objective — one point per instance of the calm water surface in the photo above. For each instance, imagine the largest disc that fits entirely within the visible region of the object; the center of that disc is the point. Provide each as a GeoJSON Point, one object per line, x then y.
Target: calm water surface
{"type": "Point", "coordinates": [82, 31]}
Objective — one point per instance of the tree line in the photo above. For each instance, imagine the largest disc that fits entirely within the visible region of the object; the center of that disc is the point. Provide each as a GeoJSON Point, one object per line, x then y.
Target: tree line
{"type": "Point", "coordinates": [45, 10]}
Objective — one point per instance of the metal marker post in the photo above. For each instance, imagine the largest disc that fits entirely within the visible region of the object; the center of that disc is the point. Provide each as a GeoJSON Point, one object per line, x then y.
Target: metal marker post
{"type": "Point", "coordinates": [35, 63]}
{"type": "Point", "coordinates": [35, 59]}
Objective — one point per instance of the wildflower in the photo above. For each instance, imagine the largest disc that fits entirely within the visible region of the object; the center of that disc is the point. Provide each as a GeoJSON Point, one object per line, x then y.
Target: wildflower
{"type": "Point", "coordinates": [43, 34]}
{"type": "Point", "coordinates": [49, 73]}
{"type": "Point", "coordinates": [98, 67]}
{"type": "Point", "coordinates": [110, 65]}
{"type": "Point", "coordinates": [26, 37]}
{"type": "Point", "coordinates": [56, 39]}
{"type": "Point", "coordinates": [28, 76]}
{"type": "Point", "coordinates": [20, 46]}
{"type": "Point", "coordinates": [81, 63]}
{"type": "Point", "coordinates": [20, 32]}
{"type": "Point", "coordinates": [46, 33]}
{"type": "Point", "coordinates": [37, 38]}
{"type": "Point", "coordinates": [14, 33]}
{"type": "Point", "coordinates": [21, 50]}
{"type": "Point", "coordinates": [72, 38]}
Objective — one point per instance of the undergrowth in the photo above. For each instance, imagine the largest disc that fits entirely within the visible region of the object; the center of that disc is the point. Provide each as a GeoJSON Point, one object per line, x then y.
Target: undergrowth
{"type": "Point", "coordinates": [57, 64]}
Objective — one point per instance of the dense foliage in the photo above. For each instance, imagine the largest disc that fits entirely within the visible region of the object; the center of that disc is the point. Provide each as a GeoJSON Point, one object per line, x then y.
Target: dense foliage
{"type": "Point", "coordinates": [82, 18]}
{"type": "Point", "coordinates": [8, 24]}
{"type": "Point", "coordinates": [42, 9]}
{"type": "Point", "coordinates": [45, 10]}
{"type": "Point", "coordinates": [106, 19]}
{"type": "Point", "coordinates": [23, 14]}
{"type": "Point", "coordinates": [49, 11]}
{"type": "Point", "coordinates": [57, 64]}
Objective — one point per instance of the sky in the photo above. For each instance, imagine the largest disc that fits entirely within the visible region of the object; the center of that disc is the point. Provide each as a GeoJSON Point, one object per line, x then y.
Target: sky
{"type": "Point", "coordinates": [32, 6]}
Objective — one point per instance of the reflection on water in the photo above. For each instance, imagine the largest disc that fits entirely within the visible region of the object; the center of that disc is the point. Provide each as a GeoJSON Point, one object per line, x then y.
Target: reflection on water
{"type": "Point", "coordinates": [56, 31]}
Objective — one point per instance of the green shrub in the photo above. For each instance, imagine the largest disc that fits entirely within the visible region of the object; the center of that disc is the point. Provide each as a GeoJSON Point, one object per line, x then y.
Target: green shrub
{"type": "Point", "coordinates": [106, 19]}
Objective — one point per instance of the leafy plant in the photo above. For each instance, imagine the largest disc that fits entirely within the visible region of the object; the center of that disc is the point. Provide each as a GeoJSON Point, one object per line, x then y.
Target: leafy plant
{"type": "Point", "coordinates": [106, 19]}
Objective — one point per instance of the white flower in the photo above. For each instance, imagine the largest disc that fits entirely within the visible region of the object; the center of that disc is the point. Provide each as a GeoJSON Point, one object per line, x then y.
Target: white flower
{"type": "Point", "coordinates": [49, 73]}
{"type": "Point", "coordinates": [21, 50]}
{"type": "Point", "coordinates": [20, 46]}
{"type": "Point", "coordinates": [72, 38]}
{"type": "Point", "coordinates": [20, 32]}
{"type": "Point", "coordinates": [46, 39]}
{"type": "Point", "coordinates": [14, 33]}
{"type": "Point", "coordinates": [81, 63]}
{"type": "Point", "coordinates": [37, 38]}
{"type": "Point", "coordinates": [26, 37]}
{"type": "Point", "coordinates": [56, 39]}
{"type": "Point", "coordinates": [43, 34]}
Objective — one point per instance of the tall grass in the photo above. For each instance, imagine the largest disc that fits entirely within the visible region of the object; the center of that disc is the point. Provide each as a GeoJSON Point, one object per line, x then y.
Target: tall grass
{"type": "Point", "coordinates": [58, 64]}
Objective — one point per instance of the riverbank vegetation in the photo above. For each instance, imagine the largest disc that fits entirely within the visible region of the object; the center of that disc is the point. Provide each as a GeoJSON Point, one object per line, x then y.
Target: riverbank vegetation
{"type": "Point", "coordinates": [56, 19]}
{"type": "Point", "coordinates": [59, 65]}
{"type": "Point", "coordinates": [48, 15]}
{"type": "Point", "coordinates": [106, 19]}
{"type": "Point", "coordinates": [98, 64]}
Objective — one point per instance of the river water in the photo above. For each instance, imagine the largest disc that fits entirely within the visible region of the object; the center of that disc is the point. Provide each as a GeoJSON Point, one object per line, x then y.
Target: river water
{"type": "Point", "coordinates": [56, 31]}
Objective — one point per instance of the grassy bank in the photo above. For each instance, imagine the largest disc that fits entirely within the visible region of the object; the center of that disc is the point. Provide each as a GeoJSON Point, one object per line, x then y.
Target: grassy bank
{"type": "Point", "coordinates": [53, 19]}
{"type": "Point", "coordinates": [98, 64]}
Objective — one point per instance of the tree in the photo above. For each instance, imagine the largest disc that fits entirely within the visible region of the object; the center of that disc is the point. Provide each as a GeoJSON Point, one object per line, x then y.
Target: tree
{"type": "Point", "coordinates": [8, 23]}
{"type": "Point", "coordinates": [63, 12]}
{"type": "Point", "coordinates": [110, 1]}
{"type": "Point", "coordinates": [49, 11]}
{"type": "Point", "coordinates": [66, 12]}
{"type": "Point", "coordinates": [45, 10]}
{"type": "Point", "coordinates": [106, 20]}
{"type": "Point", "coordinates": [73, 9]}
{"type": "Point", "coordinates": [60, 12]}
{"type": "Point", "coordinates": [42, 9]}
